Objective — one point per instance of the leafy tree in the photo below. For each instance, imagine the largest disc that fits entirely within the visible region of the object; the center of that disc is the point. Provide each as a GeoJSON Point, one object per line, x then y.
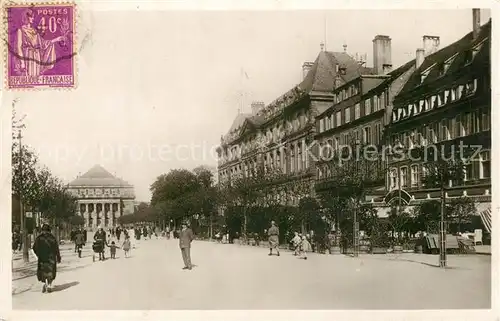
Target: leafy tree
{"type": "Point", "coordinates": [206, 196]}
{"type": "Point", "coordinates": [460, 211]}
{"type": "Point", "coordinates": [442, 168]}
{"type": "Point", "coordinates": [428, 216]}
{"type": "Point", "coordinates": [244, 191]}
{"type": "Point", "coordinates": [353, 171]}
{"type": "Point", "coordinates": [182, 194]}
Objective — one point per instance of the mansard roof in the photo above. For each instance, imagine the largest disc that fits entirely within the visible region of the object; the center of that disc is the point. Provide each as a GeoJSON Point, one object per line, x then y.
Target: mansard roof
{"type": "Point", "coordinates": [322, 75]}
{"type": "Point", "coordinates": [453, 54]}
{"type": "Point", "coordinates": [320, 78]}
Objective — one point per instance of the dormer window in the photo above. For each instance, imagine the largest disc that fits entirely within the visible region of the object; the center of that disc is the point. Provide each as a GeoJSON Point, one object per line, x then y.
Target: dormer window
{"type": "Point", "coordinates": [443, 68]}
{"type": "Point", "coordinates": [425, 73]}
{"type": "Point", "coordinates": [471, 53]}
{"type": "Point", "coordinates": [342, 70]}
{"type": "Point", "coordinates": [423, 76]}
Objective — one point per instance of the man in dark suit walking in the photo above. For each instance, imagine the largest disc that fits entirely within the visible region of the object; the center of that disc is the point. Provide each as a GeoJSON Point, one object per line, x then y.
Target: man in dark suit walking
{"type": "Point", "coordinates": [185, 238]}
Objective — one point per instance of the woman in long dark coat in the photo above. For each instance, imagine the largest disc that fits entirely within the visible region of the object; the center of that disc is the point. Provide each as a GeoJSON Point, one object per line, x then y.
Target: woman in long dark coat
{"type": "Point", "coordinates": [47, 251]}
{"type": "Point", "coordinates": [100, 242]}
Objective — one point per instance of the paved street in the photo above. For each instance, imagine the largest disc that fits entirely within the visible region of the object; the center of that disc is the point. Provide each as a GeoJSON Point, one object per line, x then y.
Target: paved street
{"type": "Point", "coordinates": [242, 277]}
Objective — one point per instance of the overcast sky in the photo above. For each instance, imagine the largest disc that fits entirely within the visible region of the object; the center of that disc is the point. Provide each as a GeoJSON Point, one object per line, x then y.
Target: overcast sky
{"type": "Point", "coordinates": [150, 82]}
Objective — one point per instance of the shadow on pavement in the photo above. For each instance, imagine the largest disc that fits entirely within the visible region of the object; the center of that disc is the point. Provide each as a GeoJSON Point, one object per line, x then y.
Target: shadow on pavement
{"type": "Point", "coordinates": [65, 286]}
{"type": "Point", "coordinates": [401, 259]}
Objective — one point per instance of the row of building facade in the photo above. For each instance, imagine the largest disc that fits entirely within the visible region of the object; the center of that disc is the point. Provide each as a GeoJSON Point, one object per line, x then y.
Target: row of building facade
{"type": "Point", "coordinates": [440, 98]}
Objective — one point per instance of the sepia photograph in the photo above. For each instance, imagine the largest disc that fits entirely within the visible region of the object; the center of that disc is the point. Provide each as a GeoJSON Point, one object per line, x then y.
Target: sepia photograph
{"type": "Point", "coordinates": [247, 159]}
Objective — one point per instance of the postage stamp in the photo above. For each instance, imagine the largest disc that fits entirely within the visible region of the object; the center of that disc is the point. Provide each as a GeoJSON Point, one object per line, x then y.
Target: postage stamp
{"type": "Point", "coordinates": [40, 42]}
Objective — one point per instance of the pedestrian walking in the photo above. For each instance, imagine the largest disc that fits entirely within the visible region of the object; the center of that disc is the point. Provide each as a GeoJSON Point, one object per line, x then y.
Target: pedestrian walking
{"type": "Point", "coordinates": [273, 234]}
{"type": "Point", "coordinates": [185, 238]}
{"type": "Point", "coordinates": [305, 247]}
{"type": "Point", "coordinates": [79, 242]}
{"type": "Point", "coordinates": [47, 251]}
{"type": "Point", "coordinates": [256, 237]}
{"type": "Point", "coordinates": [100, 242]}
{"type": "Point", "coordinates": [132, 237]}
{"type": "Point", "coordinates": [72, 236]}
{"type": "Point", "coordinates": [118, 233]}
{"type": "Point", "coordinates": [126, 245]}
{"type": "Point", "coordinates": [296, 241]}
{"type": "Point", "coordinates": [15, 241]}
{"type": "Point", "coordinates": [112, 249]}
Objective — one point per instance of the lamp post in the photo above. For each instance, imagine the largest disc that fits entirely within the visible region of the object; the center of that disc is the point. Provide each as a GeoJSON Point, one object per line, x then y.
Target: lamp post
{"type": "Point", "coordinates": [442, 226]}
{"type": "Point", "coordinates": [355, 243]}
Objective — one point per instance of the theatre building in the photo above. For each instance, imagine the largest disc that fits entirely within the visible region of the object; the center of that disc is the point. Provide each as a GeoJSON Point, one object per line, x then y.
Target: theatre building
{"type": "Point", "coordinates": [446, 102]}
{"type": "Point", "coordinates": [101, 197]}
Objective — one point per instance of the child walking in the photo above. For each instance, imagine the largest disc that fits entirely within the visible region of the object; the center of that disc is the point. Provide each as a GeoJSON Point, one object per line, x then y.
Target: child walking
{"type": "Point", "coordinates": [112, 249]}
{"type": "Point", "coordinates": [296, 241]}
{"type": "Point", "coordinates": [126, 246]}
{"type": "Point", "coordinates": [305, 247]}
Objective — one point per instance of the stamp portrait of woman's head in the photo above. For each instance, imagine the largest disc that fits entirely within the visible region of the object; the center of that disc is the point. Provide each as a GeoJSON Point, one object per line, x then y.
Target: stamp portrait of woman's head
{"type": "Point", "coordinates": [28, 17]}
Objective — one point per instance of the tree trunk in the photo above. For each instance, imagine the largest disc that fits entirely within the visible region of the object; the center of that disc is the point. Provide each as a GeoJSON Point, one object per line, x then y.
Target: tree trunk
{"type": "Point", "coordinates": [244, 224]}
{"type": "Point", "coordinates": [56, 229]}
{"type": "Point", "coordinates": [24, 235]}
{"type": "Point", "coordinates": [211, 227]}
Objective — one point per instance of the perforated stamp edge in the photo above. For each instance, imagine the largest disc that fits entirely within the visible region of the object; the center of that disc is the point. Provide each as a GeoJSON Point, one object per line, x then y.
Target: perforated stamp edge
{"type": "Point", "coordinates": [4, 36]}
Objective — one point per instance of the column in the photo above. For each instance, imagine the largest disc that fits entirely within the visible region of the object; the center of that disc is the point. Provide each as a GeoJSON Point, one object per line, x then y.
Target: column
{"type": "Point", "coordinates": [94, 216]}
{"type": "Point", "coordinates": [105, 214]}
{"type": "Point", "coordinates": [113, 214]}
{"type": "Point", "coordinates": [86, 215]}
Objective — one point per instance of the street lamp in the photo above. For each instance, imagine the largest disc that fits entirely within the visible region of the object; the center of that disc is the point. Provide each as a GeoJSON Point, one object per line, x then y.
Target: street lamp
{"type": "Point", "coordinates": [355, 243]}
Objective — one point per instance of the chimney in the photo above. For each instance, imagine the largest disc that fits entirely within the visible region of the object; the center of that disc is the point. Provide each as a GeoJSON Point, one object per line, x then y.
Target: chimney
{"type": "Point", "coordinates": [381, 53]}
{"type": "Point", "coordinates": [476, 22]}
{"type": "Point", "coordinates": [305, 68]}
{"type": "Point", "coordinates": [419, 60]}
{"type": "Point", "coordinates": [257, 106]}
{"type": "Point", "coordinates": [431, 44]}
{"type": "Point", "coordinates": [386, 68]}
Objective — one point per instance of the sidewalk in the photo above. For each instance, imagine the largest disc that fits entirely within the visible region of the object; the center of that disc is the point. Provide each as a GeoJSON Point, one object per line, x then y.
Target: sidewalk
{"type": "Point", "coordinates": [483, 249]}
{"type": "Point", "coordinates": [454, 260]}
{"type": "Point", "coordinates": [24, 274]}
